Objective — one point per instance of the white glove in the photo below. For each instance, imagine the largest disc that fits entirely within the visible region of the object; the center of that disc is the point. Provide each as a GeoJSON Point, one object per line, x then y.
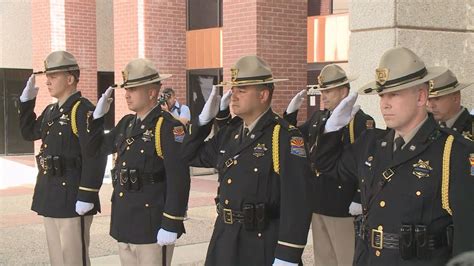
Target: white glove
{"type": "Point", "coordinates": [103, 105]}
{"type": "Point", "coordinates": [30, 91]}
{"type": "Point", "coordinates": [355, 209]}
{"type": "Point", "coordinates": [83, 207]}
{"type": "Point", "coordinates": [296, 102]}
{"type": "Point", "coordinates": [211, 107]}
{"type": "Point", "coordinates": [164, 238]}
{"type": "Point", "coordinates": [282, 262]}
{"type": "Point", "coordinates": [225, 100]}
{"type": "Point", "coordinates": [343, 113]}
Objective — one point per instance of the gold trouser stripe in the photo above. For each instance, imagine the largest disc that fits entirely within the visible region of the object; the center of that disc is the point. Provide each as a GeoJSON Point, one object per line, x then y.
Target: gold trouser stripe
{"type": "Point", "coordinates": [89, 189]}
{"type": "Point", "coordinates": [351, 131]}
{"type": "Point", "coordinates": [276, 149]}
{"type": "Point", "coordinates": [73, 118]}
{"type": "Point", "coordinates": [445, 174]}
{"type": "Point", "coordinates": [290, 245]}
{"type": "Point", "coordinates": [173, 217]}
{"type": "Point", "coordinates": [159, 151]}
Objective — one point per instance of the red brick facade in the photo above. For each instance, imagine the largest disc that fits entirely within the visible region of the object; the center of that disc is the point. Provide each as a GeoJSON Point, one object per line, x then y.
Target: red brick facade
{"type": "Point", "coordinates": [274, 30]}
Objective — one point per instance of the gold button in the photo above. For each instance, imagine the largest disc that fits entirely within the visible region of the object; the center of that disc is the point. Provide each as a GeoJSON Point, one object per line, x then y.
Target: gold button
{"type": "Point", "coordinates": [377, 253]}
{"type": "Point", "coordinates": [380, 228]}
{"type": "Point", "coordinates": [418, 193]}
{"type": "Point", "coordinates": [146, 205]}
{"type": "Point", "coordinates": [124, 163]}
{"type": "Point", "coordinates": [255, 169]}
{"type": "Point", "coordinates": [45, 172]}
{"type": "Point", "coordinates": [142, 127]}
{"type": "Point", "coordinates": [46, 145]}
{"type": "Point", "coordinates": [362, 180]}
{"type": "Point", "coordinates": [382, 204]}
{"type": "Point", "coordinates": [259, 234]}
{"type": "Point", "coordinates": [47, 133]}
{"type": "Point", "coordinates": [236, 136]}
{"type": "Point", "coordinates": [128, 148]}
{"type": "Point", "coordinates": [235, 161]}
{"type": "Point", "coordinates": [358, 190]}
{"type": "Point", "coordinates": [121, 194]}
{"type": "Point", "coordinates": [339, 187]}
{"type": "Point", "coordinates": [64, 183]}
{"type": "Point", "coordinates": [142, 151]}
{"type": "Point", "coordinates": [229, 181]}
{"type": "Point", "coordinates": [60, 133]}
{"type": "Point", "coordinates": [226, 202]}
{"type": "Point", "coordinates": [61, 110]}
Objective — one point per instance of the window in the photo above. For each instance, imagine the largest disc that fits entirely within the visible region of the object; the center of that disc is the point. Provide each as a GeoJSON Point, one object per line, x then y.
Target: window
{"type": "Point", "coordinates": [199, 86]}
{"type": "Point", "coordinates": [203, 14]}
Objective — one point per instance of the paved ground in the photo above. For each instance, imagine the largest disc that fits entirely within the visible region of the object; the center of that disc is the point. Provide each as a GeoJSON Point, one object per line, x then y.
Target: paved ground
{"type": "Point", "coordinates": [22, 238]}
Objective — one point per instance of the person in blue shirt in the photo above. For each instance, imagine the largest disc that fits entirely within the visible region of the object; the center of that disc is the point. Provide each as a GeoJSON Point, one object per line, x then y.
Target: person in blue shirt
{"type": "Point", "coordinates": [179, 111]}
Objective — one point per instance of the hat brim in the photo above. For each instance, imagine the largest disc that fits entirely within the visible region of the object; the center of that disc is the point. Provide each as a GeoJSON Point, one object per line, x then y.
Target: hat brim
{"type": "Point", "coordinates": [372, 87]}
{"type": "Point", "coordinates": [140, 83]}
{"type": "Point", "coordinates": [458, 87]}
{"type": "Point", "coordinates": [332, 86]}
{"type": "Point", "coordinates": [240, 84]}
{"type": "Point", "coordinates": [44, 72]}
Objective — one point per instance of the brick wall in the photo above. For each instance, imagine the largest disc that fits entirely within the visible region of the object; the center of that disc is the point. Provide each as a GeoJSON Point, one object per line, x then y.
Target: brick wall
{"type": "Point", "coordinates": [274, 30]}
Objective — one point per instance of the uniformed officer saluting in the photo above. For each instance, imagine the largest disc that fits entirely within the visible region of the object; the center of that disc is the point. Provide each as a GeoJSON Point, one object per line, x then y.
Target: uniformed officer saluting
{"type": "Point", "coordinates": [151, 186]}
{"type": "Point", "coordinates": [263, 211]}
{"type": "Point", "coordinates": [416, 179]}
{"type": "Point", "coordinates": [332, 224]}
{"type": "Point", "coordinates": [68, 181]}
{"type": "Point", "coordinates": [445, 104]}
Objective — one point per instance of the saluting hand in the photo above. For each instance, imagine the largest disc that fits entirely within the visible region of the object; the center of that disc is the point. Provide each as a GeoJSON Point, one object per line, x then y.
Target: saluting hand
{"type": "Point", "coordinates": [342, 114]}
{"type": "Point", "coordinates": [296, 102]}
{"type": "Point", "coordinates": [30, 91]}
{"type": "Point", "coordinates": [225, 100]}
{"type": "Point", "coordinates": [103, 105]}
{"type": "Point", "coordinates": [211, 107]}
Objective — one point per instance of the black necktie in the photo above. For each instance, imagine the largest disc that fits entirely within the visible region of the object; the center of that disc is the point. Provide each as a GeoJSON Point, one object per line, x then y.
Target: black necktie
{"type": "Point", "coordinates": [399, 142]}
{"type": "Point", "coordinates": [245, 134]}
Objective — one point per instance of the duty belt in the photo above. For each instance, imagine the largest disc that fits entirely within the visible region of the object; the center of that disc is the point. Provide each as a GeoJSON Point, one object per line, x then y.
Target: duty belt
{"type": "Point", "coordinates": [380, 240]}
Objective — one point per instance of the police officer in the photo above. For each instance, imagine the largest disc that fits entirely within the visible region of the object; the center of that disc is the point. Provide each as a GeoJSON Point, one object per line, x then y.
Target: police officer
{"type": "Point", "coordinates": [416, 179]}
{"type": "Point", "coordinates": [262, 205]}
{"type": "Point", "coordinates": [445, 104]}
{"type": "Point", "coordinates": [151, 186]}
{"type": "Point", "coordinates": [332, 223]}
{"type": "Point", "coordinates": [68, 181]}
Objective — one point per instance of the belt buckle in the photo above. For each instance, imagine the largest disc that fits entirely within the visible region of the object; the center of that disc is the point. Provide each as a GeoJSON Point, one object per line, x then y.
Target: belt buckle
{"type": "Point", "coordinates": [388, 173]}
{"type": "Point", "coordinates": [130, 141]}
{"type": "Point", "coordinates": [227, 214]}
{"type": "Point", "coordinates": [373, 239]}
{"type": "Point", "coordinates": [229, 162]}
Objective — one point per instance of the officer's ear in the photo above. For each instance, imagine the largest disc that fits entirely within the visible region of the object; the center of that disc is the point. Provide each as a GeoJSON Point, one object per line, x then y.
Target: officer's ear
{"type": "Point", "coordinates": [422, 95]}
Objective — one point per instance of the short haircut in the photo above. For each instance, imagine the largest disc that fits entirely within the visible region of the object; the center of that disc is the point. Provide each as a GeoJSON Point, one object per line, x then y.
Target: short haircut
{"type": "Point", "coordinates": [169, 91]}
{"type": "Point", "coordinates": [76, 74]}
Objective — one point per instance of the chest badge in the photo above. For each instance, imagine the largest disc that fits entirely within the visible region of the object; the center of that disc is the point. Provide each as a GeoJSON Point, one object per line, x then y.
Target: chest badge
{"type": "Point", "coordinates": [147, 135]}
{"type": "Point", "coordinates": [64, 120]}
{"type": "Point", "coordinates": [422, 169]}
{"type": "Point", "coordinates": [259, 150]}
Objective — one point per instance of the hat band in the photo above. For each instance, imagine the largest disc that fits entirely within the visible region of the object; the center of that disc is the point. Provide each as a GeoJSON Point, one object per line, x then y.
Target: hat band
{"type": "Point", "coordinates": [325, 84]}
{"type": "Point", "coordinates": [436, 90]}
{"type": "Point", "coordinates": [400, 81]}
{"type": "Point", "coordinates": [61, 67]}
{"type": "Point", "coordinates": [146, 78]}
{"type": "Point", "coordinates": [254, 79]}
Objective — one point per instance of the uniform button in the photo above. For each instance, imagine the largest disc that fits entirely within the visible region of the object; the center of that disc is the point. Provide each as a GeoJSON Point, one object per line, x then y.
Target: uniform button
{"type": "Point", "coordinates": [377, 253]}
{"type": "Point", "coordinates": [259, 234]}
{"type": "Point", "coordinates": [47, 133]}
{"type": "Point", "coordinates": [226, 202]}
{"type": "Point", "coordinates": [358, 190]}
{"type": "Point", "coordinates": [121, 194]}
{"type": "Point", "coordinates": [418, 193]}
{"type": "Point", "coordinates": [235, 161]}
{"type": "Point", "coordinates": [142, 127]}
{"type": "Point", "coordinates": [128, 148]}
{"type": "Point", "coordinates": [46, 145]}
{"type": "Point", "coordinates": [142, 151]}
{"type": "Point", "coordinates": [147, 205]}
{"type": "Point", "coordinates": [339, 187]}
{"type": "Point", "coordinates": [45, 172]}
{"type": "Point", "coordinates": [380, 228]}
{"type": "Point", "coordinates": [60, 133]}
{"type": "Point", "coordinates": [255, 169]}
{"type": "Point", "coordinates": [229, 181]}
{"type": "Point", "coordinates": [124, 163]}
{"type": "Point", "coordinates": [382, 203]}
{"type": "Point", "coordinates": [61, 110]}
{"type": "Point", "coordinates": [64, 183]}
{"type": "Point", "coordinates": [236, 136]}
{"type": "Point", "coordinates": [362, 180]}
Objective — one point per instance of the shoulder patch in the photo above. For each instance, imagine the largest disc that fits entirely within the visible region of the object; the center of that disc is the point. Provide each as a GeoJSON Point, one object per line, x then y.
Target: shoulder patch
{"type": "Point", "coordinates": [471, 160]}
{"type": "Point", "coordinates": [178, 132]}
{"type": "Point", "coordinates": [297, 147]}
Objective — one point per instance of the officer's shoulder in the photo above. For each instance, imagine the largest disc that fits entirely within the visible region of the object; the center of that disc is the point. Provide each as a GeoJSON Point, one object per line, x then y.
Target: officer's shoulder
{"type": "Point", "coordinates": [125, 120]}
{"type": "Point", "coordinates": [458, 137]}
{"type": "Point", "coordinates": [169, 119]}
{"type": "Point", "coordinates": [286, 126]}
{"type": "Point", "coordinates": [85, 104]}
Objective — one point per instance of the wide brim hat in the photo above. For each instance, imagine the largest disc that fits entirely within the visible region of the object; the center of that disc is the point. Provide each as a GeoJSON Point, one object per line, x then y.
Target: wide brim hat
{"type": "Point", "coordinates": [445, 84]}
{"type": "Point", "coordinates": [332, 76]}
{"type": "Point", "coordinates": [58, 61]}
{"type": "Point", "coordinates": [141, 71]}
{"type": "Point", "coordinates": [250, 70]}
{"type": "Point", "coordinates": [400, 68]}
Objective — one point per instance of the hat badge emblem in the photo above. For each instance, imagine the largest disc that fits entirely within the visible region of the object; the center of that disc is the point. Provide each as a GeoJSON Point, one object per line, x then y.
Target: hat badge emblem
{"type": "Point", "coordinates": [125, 75]}
{"type": "Point", "coordinates": [381, 75]}
{"type": "Point", "coordinates": [233, 73]}
{"type": "Point", "coordinates": [45, 64]}
{"type": "Point", "coordinates": [320, 80]}
{"type": "Point", "coordinates": [431, 84]}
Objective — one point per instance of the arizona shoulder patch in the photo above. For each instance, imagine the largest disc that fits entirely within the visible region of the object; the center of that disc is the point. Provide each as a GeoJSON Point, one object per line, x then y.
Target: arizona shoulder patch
{"type": "Point", "coordinates": [297, 147]}
{"type": "Point", "coordinates": [178, 134]}
{"type": "Point", "coordinates": [471, 160]}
